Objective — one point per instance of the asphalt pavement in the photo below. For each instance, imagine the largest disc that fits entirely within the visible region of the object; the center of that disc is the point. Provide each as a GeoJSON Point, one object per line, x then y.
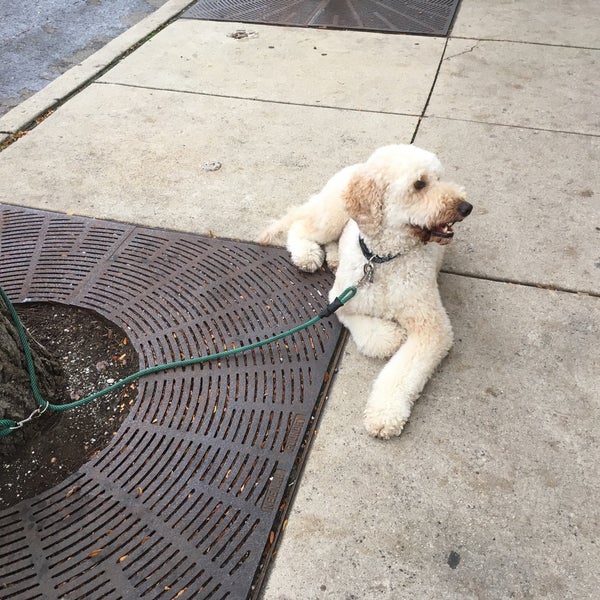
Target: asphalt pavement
{"type": "Point", "coordinates": [41, 40]}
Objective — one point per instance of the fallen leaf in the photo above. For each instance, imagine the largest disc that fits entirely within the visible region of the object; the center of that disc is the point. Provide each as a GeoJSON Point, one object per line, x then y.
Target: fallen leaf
{"type": "Point", "coordinates": [95, 552]}
{"type": "Point", "coordinates": [72, 491]}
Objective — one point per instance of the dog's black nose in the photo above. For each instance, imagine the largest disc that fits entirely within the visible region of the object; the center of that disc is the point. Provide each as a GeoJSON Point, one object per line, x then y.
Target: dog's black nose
{"type": "Point", "coordinates": [464, 209]}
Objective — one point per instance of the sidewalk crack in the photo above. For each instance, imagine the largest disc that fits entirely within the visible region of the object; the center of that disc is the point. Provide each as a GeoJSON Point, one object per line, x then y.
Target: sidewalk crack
{"type": "Point", "coordinates": [476, 45]}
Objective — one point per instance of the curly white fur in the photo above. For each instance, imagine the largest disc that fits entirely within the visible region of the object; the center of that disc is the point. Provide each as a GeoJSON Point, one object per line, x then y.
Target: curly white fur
{"type": "Point", "coordinates": [397, 203]}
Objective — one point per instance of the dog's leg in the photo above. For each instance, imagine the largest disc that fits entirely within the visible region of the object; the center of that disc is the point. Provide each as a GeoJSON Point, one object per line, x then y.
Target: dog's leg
{"type": "Point", "coordinates": [402, 379]}
{"type": "Point", "coordinates": [305, 253]}
{"type": "Point", "coordinates": [374, 337]}
{"type": "Point", "coordinates": [332, 255]}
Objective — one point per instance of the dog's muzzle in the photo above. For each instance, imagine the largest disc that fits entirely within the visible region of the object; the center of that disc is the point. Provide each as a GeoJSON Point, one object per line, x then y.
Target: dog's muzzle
{"type": "Point", "coordinates": [442, 233]}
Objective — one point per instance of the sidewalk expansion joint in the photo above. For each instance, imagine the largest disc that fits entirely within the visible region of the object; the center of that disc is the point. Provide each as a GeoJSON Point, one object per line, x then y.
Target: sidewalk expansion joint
{"type": "Point", "coordinates": [513, 126]}
{"type": "Point", "coordinates": [431, 89]}
{"type": "Point", "coordinates": [524, 42]}
{"type": "Point", "coordinates": [262, 100]}
{"type": "Point", "coordinates": [539, 286]}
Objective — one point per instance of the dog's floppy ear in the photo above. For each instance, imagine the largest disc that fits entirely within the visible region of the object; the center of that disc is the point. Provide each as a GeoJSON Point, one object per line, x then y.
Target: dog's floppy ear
{"type": "Point", "coordinates": [363, 198]}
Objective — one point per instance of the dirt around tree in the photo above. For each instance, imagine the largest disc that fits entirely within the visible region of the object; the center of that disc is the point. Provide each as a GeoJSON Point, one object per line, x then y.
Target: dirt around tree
{"type": "Point", "coordinates": [17, 400]}
{"type": "Point", "coordinates": [92, 353]}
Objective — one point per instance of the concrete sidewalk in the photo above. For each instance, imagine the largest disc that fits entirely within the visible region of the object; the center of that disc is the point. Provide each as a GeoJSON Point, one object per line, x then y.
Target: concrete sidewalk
{"type": "Point", "coordinates": [491, 492]}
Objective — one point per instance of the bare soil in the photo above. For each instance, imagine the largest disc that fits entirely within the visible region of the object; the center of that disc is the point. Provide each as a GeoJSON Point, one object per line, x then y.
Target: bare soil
{"type": "Point", "coordinates": [94, 354]}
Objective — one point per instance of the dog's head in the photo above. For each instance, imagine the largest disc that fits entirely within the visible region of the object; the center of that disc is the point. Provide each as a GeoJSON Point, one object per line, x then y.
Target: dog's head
{"type": "Point", "coordinates": [399, 188]}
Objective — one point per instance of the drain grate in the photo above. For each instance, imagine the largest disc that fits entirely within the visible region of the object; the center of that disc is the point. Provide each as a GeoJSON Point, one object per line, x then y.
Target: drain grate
{"type": "Point", "coordinates": [424, 17]}
{"type": "Point", "coordinates": [188, 499]}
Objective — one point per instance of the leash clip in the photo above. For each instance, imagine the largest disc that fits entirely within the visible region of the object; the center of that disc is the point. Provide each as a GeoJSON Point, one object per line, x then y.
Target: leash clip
{"type": "Point", "coordinates": [368, 273]}
{"type": "Point", "coordinates": [38, 412]}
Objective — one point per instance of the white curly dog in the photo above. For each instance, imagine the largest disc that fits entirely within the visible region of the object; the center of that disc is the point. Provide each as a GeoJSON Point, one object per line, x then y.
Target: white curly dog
{"type": "Point", "coordinates": [383, 225]}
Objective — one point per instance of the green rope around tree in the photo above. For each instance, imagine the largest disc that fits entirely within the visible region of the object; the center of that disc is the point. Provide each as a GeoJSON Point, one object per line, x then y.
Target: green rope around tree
{"type": "Point", "coordinates": [7, 426]}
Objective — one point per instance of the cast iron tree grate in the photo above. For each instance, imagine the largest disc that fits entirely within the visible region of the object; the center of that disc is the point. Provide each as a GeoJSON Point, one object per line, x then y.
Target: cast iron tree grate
{"type": "Point", "coordinates": [423, 17]}
{"type": "Point", "coordinates": [189, 497]}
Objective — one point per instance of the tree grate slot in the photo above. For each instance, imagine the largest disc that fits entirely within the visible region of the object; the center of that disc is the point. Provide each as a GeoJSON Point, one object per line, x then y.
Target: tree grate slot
{"type": "Point", "coordinates": [189, 497]}
{"type": "Point", "coordinates": [419, 17]}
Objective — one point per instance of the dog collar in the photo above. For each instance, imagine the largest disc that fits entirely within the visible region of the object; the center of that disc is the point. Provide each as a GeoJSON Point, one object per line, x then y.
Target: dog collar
{"type": "Point", "coordinates": [374, 258]}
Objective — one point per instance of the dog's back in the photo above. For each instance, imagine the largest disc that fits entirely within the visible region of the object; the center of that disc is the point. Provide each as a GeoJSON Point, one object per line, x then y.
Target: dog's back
{"type": "Point", "coordinates": [324, 215]}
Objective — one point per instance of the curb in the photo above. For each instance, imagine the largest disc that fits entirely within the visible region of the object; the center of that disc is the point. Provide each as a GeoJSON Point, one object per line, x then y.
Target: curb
{"type": "Point", "coordinates": [77, 77]}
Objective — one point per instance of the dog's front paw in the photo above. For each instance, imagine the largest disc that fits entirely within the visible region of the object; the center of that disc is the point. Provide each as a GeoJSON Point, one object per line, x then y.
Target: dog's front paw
{"type": "Point", "coordinates": [332, 256]}
{"type": "Point", "coordinates": [308, 257]}
{"type": "Point", "coordinates": [385, 421]}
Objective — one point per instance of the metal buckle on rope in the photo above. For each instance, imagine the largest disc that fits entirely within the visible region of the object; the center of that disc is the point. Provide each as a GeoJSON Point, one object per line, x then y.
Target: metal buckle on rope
{"type": "Point", "coordinates": [38, 412]}
{"type": "Point", "coordinates": [368, 271]}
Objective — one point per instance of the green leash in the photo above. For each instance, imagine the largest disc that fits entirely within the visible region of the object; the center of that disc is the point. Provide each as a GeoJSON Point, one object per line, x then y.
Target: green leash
{"type": "Point", "coordinates": [7, 426]}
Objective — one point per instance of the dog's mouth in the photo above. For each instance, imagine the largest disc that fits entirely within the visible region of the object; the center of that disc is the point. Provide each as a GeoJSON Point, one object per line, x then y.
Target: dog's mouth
{"type": "Point", "coordinates": [441, 233]}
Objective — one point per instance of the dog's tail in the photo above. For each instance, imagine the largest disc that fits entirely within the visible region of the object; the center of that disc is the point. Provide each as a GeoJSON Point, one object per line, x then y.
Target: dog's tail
{"type": "Point", "coordinates": [272, 233]}
{"type": "Point", "coordinates": [276, 229]}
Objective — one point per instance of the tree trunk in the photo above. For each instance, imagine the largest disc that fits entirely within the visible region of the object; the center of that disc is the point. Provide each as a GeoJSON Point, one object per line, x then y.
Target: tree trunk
{"type": "Point", "coordinates": [16, 398]}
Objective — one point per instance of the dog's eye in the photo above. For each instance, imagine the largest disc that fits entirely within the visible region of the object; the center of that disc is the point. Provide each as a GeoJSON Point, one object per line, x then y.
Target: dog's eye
{"type": "Point", "coordinates": [419, 184]}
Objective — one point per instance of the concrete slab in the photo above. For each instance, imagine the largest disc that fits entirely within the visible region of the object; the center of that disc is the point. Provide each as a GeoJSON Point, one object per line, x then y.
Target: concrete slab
{"type": "Point", "coordinates": [536, 202]}
{"type": "Point", "coordinates": [537, 21]}
{"type": "Point", "coordinates": [80, 74]}
{"type": "Point", "coordinates": [366, 71]}
{"type": "Point", "coordinates": [186, 161]}
{"type": "Point", "coordinates": [491, 491]}
{"type": "Point", "coordinates": [526, 85]}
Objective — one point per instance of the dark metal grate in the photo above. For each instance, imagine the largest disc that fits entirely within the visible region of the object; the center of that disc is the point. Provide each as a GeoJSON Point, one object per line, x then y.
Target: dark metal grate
{"type": "Point", "coordinates": [425, 17]}
{"type": "Point", "coordinates": [188, 499]}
